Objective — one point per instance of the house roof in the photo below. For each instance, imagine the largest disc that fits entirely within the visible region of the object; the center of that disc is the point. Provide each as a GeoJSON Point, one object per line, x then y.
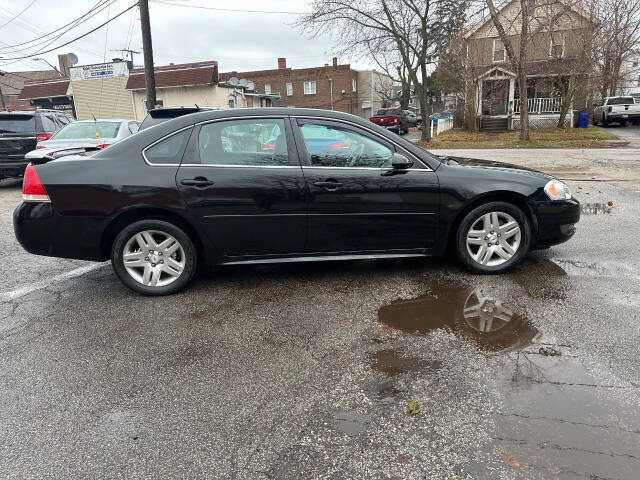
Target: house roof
{"type": "Point", "coordinates": [44, 89]}
{"type": "Point", "coordinates": [12, 82]}
{"type": "Point", "coordinates": [487, 18]}
{"type": "Point", "coordinates": [186, 74]}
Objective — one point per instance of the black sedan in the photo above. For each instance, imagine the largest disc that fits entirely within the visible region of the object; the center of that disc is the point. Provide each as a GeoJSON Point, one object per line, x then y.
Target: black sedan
{"type": "Point", "coordinates": [281, 185]}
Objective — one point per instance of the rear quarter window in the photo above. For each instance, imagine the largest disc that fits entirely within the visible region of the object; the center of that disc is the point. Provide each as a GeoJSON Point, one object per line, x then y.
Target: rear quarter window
{"type": "Point", "coordinates": [169, 150]}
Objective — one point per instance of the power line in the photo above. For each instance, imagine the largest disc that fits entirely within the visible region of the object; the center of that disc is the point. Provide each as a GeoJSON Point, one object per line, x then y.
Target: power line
{"type": "Point", "coordinates": [97, 8]}
{"type": "Point", "coordinates": [77, 38]}
{"type": "Point", "coordinates": [18, 14]}
{"type": "Point", "coordinates": [230, 9]}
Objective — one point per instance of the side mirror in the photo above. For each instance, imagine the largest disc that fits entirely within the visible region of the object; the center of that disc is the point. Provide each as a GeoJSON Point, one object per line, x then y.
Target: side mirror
{"type": "Point", "coordinates": [400, 162]}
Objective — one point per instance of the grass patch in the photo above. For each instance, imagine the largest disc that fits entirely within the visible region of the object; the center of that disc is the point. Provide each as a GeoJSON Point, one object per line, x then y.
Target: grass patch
{"type": "Point", "coordinates": [547, 137]}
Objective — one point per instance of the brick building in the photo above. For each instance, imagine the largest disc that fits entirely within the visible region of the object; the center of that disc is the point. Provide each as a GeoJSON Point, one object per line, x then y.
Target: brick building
{"type": "Point", "coordinates": [331, 86]}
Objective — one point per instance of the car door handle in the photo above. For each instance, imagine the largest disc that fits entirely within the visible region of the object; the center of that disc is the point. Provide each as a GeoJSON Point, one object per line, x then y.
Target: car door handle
{"type": "Point", "coordinates": [329, 184]}
{"type": "Point", "coordinates": [197, 182]}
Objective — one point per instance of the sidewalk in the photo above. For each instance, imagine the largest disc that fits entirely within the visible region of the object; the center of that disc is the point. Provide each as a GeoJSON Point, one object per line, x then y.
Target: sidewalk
{"type": "Point", "coordinates": [566, 163]}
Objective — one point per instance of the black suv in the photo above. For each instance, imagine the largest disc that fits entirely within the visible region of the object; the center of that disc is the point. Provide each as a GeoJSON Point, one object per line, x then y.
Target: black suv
{"type": "Point", "coordinates": [19, 134]}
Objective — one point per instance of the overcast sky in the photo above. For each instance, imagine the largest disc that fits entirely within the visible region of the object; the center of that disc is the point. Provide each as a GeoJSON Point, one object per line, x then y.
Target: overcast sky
{"type": "Point", "coordinates": [237, 40]}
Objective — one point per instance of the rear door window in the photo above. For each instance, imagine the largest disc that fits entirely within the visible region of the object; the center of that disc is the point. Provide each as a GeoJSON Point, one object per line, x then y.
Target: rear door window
{"type": "Point", "coordinates": [255, 142]}
{"type": "Point", "coordinates": [16, 123]}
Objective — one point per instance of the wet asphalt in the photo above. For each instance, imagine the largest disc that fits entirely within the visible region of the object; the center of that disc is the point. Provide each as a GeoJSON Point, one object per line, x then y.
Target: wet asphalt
{"type": "Point", "coordinates": [309, 371]}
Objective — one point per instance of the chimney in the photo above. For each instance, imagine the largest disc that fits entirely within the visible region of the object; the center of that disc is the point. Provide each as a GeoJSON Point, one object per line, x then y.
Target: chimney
{"type": "Point", "coordinates": [335, 61]}
{"type": "Point", "coordinates": [282, 62]}
{"type": "Point", "coordinates": [63, 63]}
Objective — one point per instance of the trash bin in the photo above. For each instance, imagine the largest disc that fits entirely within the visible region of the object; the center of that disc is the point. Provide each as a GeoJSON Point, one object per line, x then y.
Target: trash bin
{"type": "Point", "coordinates": [583, 119]}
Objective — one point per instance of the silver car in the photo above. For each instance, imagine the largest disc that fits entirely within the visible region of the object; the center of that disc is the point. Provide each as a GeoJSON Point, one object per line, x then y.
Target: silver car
{"type": "Point", "coordinates": [84, 134]}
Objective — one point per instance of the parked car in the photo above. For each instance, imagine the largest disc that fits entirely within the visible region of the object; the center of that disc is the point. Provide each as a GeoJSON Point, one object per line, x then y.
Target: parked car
{"type": "Point", "coordinates": [85, 134]}
{"type": "Point", "coordinates": [159, 115]}
{"type": "Point", "coordinates": [21, 131]}
{"type": "Point", "coordinates": [412, 118]}
{"type": "Point", "coordinates": [167, 199]}
{"type": "Point", "coordinates": [617, 110]}
{"type": "Point", "coordinates": [392, 119]}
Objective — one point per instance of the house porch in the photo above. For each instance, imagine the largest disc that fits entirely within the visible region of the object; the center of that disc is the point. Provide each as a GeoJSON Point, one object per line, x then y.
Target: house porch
{"type": "Point", "coordinates": [498, 106]}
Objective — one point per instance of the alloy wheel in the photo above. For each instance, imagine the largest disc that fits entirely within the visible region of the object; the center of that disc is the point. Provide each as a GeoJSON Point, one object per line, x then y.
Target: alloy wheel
{"type": "Point", "coordinates": [153, 258]}
{"type": "Point", "coordinates": [485, 314]}
{"type": "Point", "coordinates": [493, 239]}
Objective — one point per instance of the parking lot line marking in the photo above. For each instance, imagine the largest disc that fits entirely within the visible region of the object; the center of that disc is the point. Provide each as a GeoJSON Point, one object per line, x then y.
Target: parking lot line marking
{"type": "Point", "coordinates": [22, 291]}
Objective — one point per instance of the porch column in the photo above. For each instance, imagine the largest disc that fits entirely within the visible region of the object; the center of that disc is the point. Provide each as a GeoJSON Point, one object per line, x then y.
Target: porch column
{"type": "Point", "coordinates": [479, 99]}
{"type": "Point", "coordinates": [512, 89]}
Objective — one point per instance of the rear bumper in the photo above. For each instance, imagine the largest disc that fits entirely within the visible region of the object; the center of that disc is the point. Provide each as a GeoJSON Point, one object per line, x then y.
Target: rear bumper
{"type": "Point", "coordinates": [556, 222]}
{"type": "Point", "coordinates": [11, 167]}
{"type": "Point", "coordinates": [41, 231]}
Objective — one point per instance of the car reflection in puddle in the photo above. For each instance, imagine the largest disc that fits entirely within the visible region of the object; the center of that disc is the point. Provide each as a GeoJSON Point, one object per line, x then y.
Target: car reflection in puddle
{"type": "Point", "coordinates": [555, 416]}
{"type": "Point", "coordinates": [470, 312]}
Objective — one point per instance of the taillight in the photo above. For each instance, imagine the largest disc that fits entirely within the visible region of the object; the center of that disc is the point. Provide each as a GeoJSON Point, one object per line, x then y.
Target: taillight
{"type": "Point", "coordinates": [39, 147]}
{"type": "Point", "coordinates": [268, 147]}
{"type": "Point", "coordinates": [395, 119]}
{"type": "Point", "coordinates": [32, 188]}
{"type": "Point", "coordinates": [338, 146]}
{"type": "Point", "coordinates": [104, 145]}
{"type": "Point", "coordinates": [43, 137]}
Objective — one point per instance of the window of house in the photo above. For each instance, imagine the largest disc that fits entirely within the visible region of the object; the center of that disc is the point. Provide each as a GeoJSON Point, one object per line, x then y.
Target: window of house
{"type": "Point", "coordinates": [334, 146]}
{"type": "Point", "coordinates": [289, 89]}
{"type": "Point", "coordinates": [556, 47]}
{"type": "Point", "coordinates": [267, 88]}
{"type": "Point", "coordinates": [232, 101]}
{"type": "Point", "coordinates": [310, 88]}
{"type": "Point", "coordinates": [256, 142]}
{"type": "Point", "coordinates": [169, 150]}
{"type": "Point", "coordinates": [498, 50]}
{"type": "Point", "coordinates": [354, 84]}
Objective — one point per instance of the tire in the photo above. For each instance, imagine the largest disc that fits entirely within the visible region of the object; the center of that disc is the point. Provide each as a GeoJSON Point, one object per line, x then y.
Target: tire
{"type": "Point", "coordinates": [494, 260]}
{"type": "Point", "coordinates": [141, 273]}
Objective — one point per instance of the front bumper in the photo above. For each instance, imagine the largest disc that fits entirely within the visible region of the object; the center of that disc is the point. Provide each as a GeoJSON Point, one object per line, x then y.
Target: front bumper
{"type": "Point", "coordinates": [556, 222]}
{"type": "Point", "coordinates": [41, 231]}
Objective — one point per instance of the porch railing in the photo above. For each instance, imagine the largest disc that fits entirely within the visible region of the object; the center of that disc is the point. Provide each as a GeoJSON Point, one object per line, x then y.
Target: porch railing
{"type": "Point", "coordinates": [539, 105]}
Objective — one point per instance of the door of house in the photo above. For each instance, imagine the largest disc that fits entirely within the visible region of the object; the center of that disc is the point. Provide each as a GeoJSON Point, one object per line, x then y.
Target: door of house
{"type": "Point", "coordinates": [495, 97]}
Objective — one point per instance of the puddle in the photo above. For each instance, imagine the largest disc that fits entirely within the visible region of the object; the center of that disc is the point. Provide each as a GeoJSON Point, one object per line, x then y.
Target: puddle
{"type": "Point", "coordinates": [595, 209]}
{"type": "Point", "coordinates": [471, 312]}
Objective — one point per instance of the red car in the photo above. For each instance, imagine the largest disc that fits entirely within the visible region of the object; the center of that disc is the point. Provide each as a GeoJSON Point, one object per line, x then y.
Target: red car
{"type": "Point", "coordinates": [391, 119]}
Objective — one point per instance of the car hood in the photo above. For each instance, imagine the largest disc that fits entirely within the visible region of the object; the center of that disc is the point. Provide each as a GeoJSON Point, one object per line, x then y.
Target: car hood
{"type": "Point", "coordinates": [491, 164]}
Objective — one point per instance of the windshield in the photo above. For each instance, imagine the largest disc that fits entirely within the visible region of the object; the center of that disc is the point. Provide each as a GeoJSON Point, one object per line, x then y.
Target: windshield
{"type": "Point", "coordinates": [17, 123]}
{"type": "Point", "coordinates": [88, 130]}
{"type": "Point", "coordinates": [620, 101]}
{"type": "Point", "coordinates": [387, 111]}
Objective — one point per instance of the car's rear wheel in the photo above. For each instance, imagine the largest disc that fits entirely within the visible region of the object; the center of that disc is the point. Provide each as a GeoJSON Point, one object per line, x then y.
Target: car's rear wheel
{"type": "Point", "coordinates": [493, 238]}
{"type": "Point", "coordinates": [154, 257]}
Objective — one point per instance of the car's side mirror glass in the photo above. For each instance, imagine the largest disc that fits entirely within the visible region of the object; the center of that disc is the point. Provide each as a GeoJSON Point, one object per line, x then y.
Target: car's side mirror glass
{"type": "Point", "coordinates": [400, 162]}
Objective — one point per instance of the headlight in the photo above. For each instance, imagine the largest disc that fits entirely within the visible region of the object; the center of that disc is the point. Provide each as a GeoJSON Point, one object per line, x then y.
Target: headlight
{"type": "Point", "coordinates": [556, 190]}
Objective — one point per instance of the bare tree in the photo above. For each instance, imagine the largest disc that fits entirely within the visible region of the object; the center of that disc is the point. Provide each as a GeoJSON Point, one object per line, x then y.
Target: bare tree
{"type": "Point", "coordinates": [618, 39]}
{"type": "Point", "coordinates": [525, 20]}
{"type": "Point", "coordinates": [413, 28]}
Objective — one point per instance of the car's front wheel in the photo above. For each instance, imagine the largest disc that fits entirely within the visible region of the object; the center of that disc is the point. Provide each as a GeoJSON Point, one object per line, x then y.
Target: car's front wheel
{"type": "Point", "coordinates": [154, 257]}
{"type": "Point", "coordinates": [493, 237]}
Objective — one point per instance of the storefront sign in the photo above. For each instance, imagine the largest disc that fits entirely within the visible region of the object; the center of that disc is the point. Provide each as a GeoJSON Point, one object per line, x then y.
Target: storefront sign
{"type": "Point", "coordinates": [100, 70]}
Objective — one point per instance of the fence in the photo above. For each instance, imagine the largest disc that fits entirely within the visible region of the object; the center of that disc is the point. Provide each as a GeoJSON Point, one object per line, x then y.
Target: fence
{"type": "Point", "coordinates": [442, 125]}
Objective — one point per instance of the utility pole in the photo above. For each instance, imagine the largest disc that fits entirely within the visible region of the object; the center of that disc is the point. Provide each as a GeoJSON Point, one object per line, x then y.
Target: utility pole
{"type": "Point", "coordinates": [147, 50]}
